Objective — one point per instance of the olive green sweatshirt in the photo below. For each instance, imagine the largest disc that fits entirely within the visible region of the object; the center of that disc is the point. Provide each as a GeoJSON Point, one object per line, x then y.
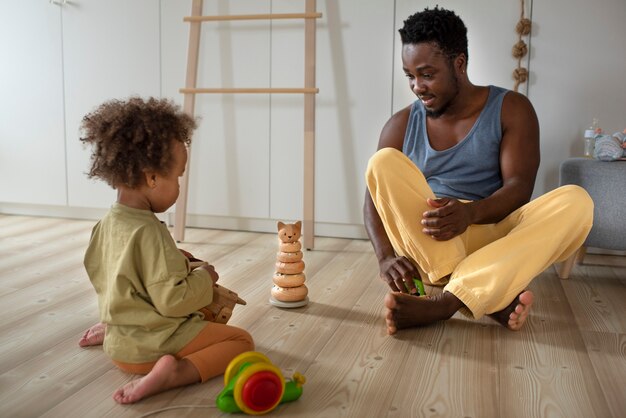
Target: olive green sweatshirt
{"type": "Point", "coordinates": [147, 295]}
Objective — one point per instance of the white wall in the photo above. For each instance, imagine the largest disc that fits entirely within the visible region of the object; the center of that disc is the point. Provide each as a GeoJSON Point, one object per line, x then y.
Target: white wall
{"type": "Point", "coordinates": [247, 153]}
{"type": "Point", "coordinates": [578, 72]}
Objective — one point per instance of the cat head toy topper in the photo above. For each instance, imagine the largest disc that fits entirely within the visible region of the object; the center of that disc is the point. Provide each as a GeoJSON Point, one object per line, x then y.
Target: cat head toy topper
{"type": "Point", "coordinates": [289, 232]}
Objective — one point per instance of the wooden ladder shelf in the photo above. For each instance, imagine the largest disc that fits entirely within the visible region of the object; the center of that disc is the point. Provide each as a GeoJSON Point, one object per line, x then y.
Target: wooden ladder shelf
{"type": "Point", "coordinates": [309, 90]}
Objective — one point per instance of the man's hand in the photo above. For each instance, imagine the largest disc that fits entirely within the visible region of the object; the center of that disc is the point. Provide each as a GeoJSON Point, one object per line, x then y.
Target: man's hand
{"type": "Point", "coordinates": [398, 273]}
{"type": "Point", "coordinates": [449, 218]}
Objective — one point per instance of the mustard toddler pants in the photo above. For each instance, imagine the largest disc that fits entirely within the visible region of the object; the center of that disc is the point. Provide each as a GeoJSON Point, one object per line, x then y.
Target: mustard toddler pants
{"type": "Point", "coordinates": [489, 265]}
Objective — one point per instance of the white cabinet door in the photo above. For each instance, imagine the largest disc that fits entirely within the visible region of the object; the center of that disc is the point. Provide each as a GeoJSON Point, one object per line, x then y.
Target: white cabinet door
{"type": "Point", "coordinates": [229, 166]}
{"type": "Point", "coordinates": [32, 145]}
{"type": "Point", "coordinates": [353, 73]}
{"type": "Point", "coordinates": [111, 51]}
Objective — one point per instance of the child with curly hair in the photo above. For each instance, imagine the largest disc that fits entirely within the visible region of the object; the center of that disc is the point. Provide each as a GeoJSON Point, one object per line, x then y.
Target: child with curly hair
{"type": "Point", "coordinates": [149, 298]}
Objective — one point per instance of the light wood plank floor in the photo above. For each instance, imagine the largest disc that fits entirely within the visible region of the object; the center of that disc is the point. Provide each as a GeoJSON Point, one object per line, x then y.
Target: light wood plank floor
{"type": "Point", "coordinates": [568, 361]}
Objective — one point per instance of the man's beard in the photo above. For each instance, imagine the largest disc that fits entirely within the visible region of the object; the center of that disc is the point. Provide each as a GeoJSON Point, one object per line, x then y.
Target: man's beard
{"type": "Point", "coordinates": [439, 112]}
{"type": "Point", "coordinates": [434, 114]}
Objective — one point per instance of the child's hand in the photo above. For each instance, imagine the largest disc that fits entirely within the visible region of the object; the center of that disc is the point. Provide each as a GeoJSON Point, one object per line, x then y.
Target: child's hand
{"type": "Point", "coordinates": [188, 255]}
{"type": "Point", "coordinates": [212, 272]}
{"type": "Point", "coordinates": [185, 253]}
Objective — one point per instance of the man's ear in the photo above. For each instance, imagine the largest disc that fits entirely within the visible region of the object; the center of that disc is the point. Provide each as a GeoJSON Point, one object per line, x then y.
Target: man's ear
{"type": "Point", "coordinates": [460, 63]}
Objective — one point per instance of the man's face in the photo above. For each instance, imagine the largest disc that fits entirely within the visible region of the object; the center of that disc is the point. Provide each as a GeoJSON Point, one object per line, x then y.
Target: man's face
{"type": "Point", "coordinates": [431, 76]}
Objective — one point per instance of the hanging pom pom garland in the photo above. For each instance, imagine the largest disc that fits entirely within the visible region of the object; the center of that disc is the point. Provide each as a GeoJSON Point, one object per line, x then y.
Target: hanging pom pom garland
{"type": "Point", "coordinates": [520, 49]}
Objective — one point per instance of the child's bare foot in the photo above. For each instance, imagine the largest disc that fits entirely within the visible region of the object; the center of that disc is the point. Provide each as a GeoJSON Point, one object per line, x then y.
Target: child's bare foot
{"type": "Point", "coordinates": [404, 311]}
{"type": "Point", "coordinates": [167, 373]}
{"type": "Point", "coordinates": [93, 336]}
{"type": "Point", "coordinates": [514, 316]}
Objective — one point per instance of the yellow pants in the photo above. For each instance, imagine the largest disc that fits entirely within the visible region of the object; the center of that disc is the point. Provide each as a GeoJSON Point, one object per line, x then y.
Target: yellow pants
{"type": "Point", "coordinates": [489, 265]}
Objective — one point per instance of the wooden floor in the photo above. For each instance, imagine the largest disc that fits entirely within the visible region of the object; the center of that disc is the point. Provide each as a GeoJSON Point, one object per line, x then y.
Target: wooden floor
{"type": "Point", "coordinates": [568, 361]}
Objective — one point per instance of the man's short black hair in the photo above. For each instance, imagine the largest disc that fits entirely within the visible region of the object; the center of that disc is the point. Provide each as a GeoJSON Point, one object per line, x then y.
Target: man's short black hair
{"type": "Point", "coordinates": [440, 26]}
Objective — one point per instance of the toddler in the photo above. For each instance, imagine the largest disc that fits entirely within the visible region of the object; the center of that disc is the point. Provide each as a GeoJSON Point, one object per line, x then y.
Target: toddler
{"type": "Point", "coordinates": [148, 296]}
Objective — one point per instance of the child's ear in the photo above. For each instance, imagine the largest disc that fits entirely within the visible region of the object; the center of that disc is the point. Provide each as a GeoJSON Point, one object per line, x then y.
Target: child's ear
{"type": "Point", "coordinates": [151, 178]}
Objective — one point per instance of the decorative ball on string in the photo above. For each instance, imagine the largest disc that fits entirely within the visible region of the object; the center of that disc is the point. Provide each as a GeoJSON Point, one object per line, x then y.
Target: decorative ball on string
{"type": "Point", "coordinates": [520, 75]}
{"type": "Point", "coordinates": [520, 49]}
{"type": "Point", "coordinates": [523, 26]}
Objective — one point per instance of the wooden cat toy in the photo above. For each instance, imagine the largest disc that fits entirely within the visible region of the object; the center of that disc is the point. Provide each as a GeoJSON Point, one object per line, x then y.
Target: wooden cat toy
{"type": "Point", "coordinates": [289, 290]}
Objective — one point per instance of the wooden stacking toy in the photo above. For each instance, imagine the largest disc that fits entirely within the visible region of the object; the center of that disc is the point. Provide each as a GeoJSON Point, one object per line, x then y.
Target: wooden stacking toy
{"type": "Point", "coordinates": [289, 290]}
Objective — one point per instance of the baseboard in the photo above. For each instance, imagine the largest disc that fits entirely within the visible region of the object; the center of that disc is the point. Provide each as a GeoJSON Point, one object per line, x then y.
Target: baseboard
{"type": "Point", "coordinates": [601, 251]}
{"type": "Point", "coordinates": [322, 229]}
{"type": "Point", "coordinates": [51, 211]}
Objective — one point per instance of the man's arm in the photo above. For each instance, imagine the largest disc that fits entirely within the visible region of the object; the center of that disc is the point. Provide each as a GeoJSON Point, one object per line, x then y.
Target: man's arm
{"type": "Point", "coordinates": [395, 271]}
{"type": "Point", "coordinates": [519, 162]}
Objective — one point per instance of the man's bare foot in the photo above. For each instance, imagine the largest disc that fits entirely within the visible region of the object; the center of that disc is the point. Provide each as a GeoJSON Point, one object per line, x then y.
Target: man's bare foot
{"type": "Point", "coordinates": [514, 316]}
{"type": "Point", "coordinates": [167, 373]}
{"type": "Point", "coordinates": [93, 336]}
{"type": "Point", "coordinates": [405, 311]}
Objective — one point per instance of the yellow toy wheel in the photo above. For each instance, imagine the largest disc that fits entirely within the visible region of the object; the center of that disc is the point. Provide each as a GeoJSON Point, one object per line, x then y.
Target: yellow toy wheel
{"type": "Point", "coordinates": [236, 363]}
{"type": "Point", "coordinates": [259, 388]}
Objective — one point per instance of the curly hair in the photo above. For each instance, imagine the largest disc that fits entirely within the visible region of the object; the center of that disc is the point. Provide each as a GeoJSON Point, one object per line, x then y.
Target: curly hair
{"type": "Point", "coordinates": [440, 26]}
{"type": "Point", "coordinates": [132, 136]}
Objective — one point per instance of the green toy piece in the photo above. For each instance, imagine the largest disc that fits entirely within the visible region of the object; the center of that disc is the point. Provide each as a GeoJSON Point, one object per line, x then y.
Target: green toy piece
{"type": "Point", "coordinates": [419, 285]}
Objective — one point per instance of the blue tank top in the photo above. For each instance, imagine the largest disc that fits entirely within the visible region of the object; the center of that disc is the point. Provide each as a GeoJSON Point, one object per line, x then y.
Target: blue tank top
{"type": "Point", "coordinates": [469, 170]}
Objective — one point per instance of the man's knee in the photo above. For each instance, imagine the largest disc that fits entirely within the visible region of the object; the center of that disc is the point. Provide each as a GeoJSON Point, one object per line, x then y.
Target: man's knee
{"type": "Point", "coordinates": [578, 196]}
{"type": "Point", "coordinates": [578, 201]}
{"type": "Point", "coordinates": [382, 158]}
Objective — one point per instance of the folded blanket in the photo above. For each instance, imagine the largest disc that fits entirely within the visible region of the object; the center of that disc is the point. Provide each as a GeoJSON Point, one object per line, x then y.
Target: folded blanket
{"type": "Point", "coordinates": [609, 148]}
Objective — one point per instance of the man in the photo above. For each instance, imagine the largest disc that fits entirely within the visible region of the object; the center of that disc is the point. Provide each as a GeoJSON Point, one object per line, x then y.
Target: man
{"type": "Point", "coordinates": [449, 190]}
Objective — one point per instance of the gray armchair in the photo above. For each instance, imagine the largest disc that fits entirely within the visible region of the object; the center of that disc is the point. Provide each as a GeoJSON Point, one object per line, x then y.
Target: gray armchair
{"type": "Point", "coordinates": [606, 184]}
